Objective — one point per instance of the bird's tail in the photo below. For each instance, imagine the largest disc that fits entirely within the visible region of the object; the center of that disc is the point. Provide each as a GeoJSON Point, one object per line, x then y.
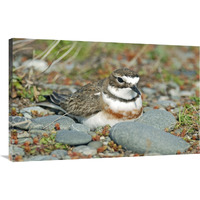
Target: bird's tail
{"type": "Point", "coordinates": [56, 98]}
{"type": "Point", "coordinates": [53, 101]}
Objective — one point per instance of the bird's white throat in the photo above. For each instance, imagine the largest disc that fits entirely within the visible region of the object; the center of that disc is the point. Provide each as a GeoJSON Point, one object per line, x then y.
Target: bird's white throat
{"type": "Point", "coordinates": [124, 93]}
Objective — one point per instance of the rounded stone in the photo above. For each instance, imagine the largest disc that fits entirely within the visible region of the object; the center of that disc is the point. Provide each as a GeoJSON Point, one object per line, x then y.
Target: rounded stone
{"type": "Point", "coordinates": [27, 112]}
{"type": "Point", "coordinates": [59, 153]}
{"type": "Point", "coordinates": [79, 127]}
{"type": "Point", "coordinates": [85, 150]}
{"type": "Point", "coordinates": [143, 139]}
{"type": "Point", "coordinates": [16, 151]}
{"type": "Point", "coordinates": [41, 158]}
{"type": "Point", "coordinates": [95, 144]}
{"type": "Point", "coordinates": [48, 122]}
{"type": "Point", "coordinates": [167, 103]}
{"type": "Point", "coordinates": [72, 137]}
{"type": "Point", "coordinates": [19, 122]}
{"type": "Point", "coordinates": [158, 118]}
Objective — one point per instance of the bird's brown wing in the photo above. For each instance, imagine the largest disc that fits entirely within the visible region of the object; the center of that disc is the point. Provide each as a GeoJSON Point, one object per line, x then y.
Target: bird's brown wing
{"type": "Point", "coordinates": [84, 102]}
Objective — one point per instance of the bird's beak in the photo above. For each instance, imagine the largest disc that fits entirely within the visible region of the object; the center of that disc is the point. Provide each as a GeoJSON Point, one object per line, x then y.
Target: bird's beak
{"type": "Point", "coordinates": [134, 88]}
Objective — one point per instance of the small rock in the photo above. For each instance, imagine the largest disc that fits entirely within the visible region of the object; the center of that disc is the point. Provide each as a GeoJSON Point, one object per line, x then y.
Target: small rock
{"type": "Point", "coordinates": [167, 103]}
{"type": "Point", "coordinates": [48, 122]}
{"type": "Point", "coordinates": [161, 87]}
{"type": "Point", "coordinates": [23, 140]}
{"type": "Point", "coordinates": [72, 137]}
{"type": "Point", "coordinates": [24, 134]}
{"type": "Point", "coordinates": [27, 112]}
{"type": "Point", "coordinates": [60, 154]}
{"type": "Point", "coordinates": [41, 158]}
{"type": "Point", "coordinates": [174, 93]}
{"type": "Point", "coordinates": [142, 139]}
{"type": "Point", "coordinates": [163, 98]}
{"type": "Point", "coordinates": [85, 150]}
{"type": "Point", "coordinates": [148, 91]}
{"type": "Point", "coordinates": [16, 151]}
{"type": "Point", "coordinates": [109, 154]}
{"type": "Point", "coordinates": [19, 122]}
{"type": "Point", "coordinates": [39, 65]}
{"type": "Point", "coordinates": [95, 144]}
{"type": "Point", "coordinates": [66, 157]}
{"type": "Point", "coordinates": [186, 93]}
{"type": "Point", "coordinates": [160, 119]}
{"type": "Point", "coordinates": [37, 132]}
{"type": "Point", "coordinates": [79, 127]}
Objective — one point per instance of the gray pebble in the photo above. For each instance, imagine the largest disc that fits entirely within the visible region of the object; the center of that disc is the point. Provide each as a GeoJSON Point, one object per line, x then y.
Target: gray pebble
{"type": "Point", "coordinates": [166, 103]}
{"type": "Point", "coordinates": [23, 140]}
{"type": "Point", "coordinates": [110, 154]}
{"type": "Point", "coordinates": [141, 138]}
{"type": "Point", "coordinates": [41, 158]}
{"type": "Point", "coordinates": [161, 87]}
{"type": "Point", "coordinates": [79, 127]}
{"type": "Point", "coordinates": [186, 93]}
{"type": "Point", "coordinates": [160, 119]}
{"type": "Point", "coordinates": [72, 137]}
{"type": "Point", "coordinates": [48, 122]}
{"type": "Point", "coordinates": [19, 122]}
{"type": "Point", "coordinates": [39, 65]}
{"type": "Point", "coordinates": [148, 91]}
{"type": "Point", "coordinates": [60, 154]}
{"type": "Point", "coordinates": [16, 151]}
{"type": "Point", "coordinates": [27, 112]}
{"type": "Point", "coordinates": [37, 132]}
{"type": "Point", "coordinates": [24, 134]}
{"type": "Point", "coordinates": [95, 144]}
{"type": "Point", "coordinates": [85, 150]}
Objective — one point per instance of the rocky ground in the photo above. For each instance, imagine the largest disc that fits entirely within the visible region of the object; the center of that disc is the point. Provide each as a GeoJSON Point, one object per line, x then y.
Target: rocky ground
{"type": "Point", "coordinates": [170, 123]}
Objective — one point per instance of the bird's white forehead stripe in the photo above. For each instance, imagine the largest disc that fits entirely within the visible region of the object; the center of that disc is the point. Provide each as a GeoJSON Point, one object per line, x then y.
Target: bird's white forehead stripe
{"type": "Point", "coordinates": [131, 80]}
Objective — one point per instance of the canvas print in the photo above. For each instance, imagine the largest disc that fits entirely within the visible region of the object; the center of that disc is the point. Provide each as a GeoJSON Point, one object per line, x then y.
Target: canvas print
{"type": "Point", "coordinates": [76, 100]}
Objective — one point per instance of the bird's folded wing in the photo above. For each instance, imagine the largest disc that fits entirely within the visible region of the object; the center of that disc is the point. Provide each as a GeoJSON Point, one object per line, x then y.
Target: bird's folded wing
{"type": "Point", "coordinates": [85, 102]}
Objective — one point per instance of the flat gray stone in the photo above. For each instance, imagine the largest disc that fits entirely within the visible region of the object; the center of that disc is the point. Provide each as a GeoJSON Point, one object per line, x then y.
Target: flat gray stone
{"type": "Point", "coordinates": [148, 91]}
{"type": "Point", "coordinates": [145, 139]}
{"type": "Point", "coordinates": [186, 93]}
{"type": "Point", "coordinates": [27, 112]}
{"type": "Point", "coordinates": [23, 140]}
{"type": "Point", "coordinates": [79, 127]}
{"type": "Point", "coordinates": [95, 144]}
{"type": "Point", "coordinates": [19, 122]}
{"type": "Point", "coordinates": [60, 154]}
{"type": "Point", "coordinates": [16, 151]}
{"type": "Point", "coordinates": [41, 158]}
{"type": "Point", "coordinates": [157, 118]}
{"type": "Point", "coordinates": [38, 132]}
{"type": "Point", "coordinates": [166, 103]}
{"type": "Point", "coordinates": [48, 122]}
{"type": "Point", "coordinates": [72, 137]}
{"type": "Point", "coordinates": [85, 150]}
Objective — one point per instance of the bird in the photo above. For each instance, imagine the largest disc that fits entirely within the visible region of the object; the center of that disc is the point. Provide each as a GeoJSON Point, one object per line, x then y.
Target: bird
{"type": "Point", "coordinates": [105, 102]}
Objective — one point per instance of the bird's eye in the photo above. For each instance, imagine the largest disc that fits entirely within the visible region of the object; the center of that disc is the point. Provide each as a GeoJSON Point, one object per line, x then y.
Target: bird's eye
{"type": "Point", "coordinates": [120, 80]}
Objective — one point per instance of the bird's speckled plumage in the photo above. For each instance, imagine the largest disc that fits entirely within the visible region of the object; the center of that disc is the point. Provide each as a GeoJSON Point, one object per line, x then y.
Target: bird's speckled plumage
{"type": "Point", "coordinates": [107, 101]}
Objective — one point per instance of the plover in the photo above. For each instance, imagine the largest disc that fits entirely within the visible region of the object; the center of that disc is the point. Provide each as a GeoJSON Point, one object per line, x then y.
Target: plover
{"type": "Point", "coordinates": [108, 101]}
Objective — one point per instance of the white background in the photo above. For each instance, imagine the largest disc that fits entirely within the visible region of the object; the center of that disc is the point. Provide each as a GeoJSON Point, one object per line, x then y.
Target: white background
{"type": "Point", "coordinates": [144, 21]}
